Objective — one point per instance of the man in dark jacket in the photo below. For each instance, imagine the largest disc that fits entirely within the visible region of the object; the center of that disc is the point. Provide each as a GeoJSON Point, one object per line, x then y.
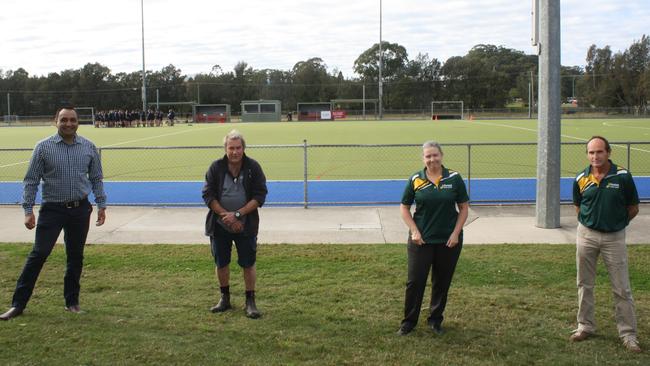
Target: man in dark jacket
{"type": "Point", "coordinates": [235, 186]}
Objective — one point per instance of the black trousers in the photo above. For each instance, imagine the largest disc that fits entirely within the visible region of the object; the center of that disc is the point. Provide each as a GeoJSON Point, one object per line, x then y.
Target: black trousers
{"type": "Point", "coordinates": [53, 218]}
{"type": "Point", "coordinates": [442, 262]}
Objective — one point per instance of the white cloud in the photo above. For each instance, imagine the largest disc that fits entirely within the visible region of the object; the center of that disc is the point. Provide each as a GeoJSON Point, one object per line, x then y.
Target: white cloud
{"type": "Point", "coordinates": [48, 36]}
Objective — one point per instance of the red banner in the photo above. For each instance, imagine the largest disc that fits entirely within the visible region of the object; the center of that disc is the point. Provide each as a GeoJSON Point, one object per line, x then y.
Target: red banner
{"type": "Point", "coordinates": [340, 114]}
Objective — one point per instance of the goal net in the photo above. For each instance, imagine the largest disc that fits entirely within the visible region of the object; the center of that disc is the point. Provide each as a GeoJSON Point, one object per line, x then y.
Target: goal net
{"type": "Point", "coordinates": [86, 115]}
{"type": "Point", "coordinates": [447, 109]}
{"type": "Point", "coordinates": [354, 108]}
{"type": "Point", "coordinates": [314, 111]}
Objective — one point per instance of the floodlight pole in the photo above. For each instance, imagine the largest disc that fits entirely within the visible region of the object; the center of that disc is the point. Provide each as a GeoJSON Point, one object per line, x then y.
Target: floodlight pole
{"type": "Point", "coordinates": [381, 86]}
{"type": "Point", "coordinates": [144, 75]}
{"type": "Point", "coordinates": [549, 123]}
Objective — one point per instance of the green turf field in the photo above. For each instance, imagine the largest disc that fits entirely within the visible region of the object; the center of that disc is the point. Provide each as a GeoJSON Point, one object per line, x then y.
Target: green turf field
{"type": "Point", "coordinates": [337, 162]}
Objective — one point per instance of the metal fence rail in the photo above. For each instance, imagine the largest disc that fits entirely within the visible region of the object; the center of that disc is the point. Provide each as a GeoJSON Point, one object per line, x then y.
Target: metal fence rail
{"type": "Point", "coordinates": [304, 174]}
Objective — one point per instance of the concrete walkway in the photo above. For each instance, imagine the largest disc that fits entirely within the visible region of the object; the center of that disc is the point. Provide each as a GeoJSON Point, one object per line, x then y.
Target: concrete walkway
{"type": "Point", "coordinates": [336, 225]}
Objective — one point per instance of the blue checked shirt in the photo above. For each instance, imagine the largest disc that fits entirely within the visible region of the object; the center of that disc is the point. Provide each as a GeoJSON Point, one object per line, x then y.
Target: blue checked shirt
{"type": "Point", "coordinates": [68, 172]}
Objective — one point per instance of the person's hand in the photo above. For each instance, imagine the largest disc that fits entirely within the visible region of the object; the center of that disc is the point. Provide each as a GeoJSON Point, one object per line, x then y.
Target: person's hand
{"type": "Point", "coordinates": [30, 221]}
{"type": "Point", "coordinates": [236, 227]}
{"type": "Point", "coordinates": [101, 217]}
{"type": "Point", "coordinates": [416, 237]}
{"type": "Point", "coordinates": [228, 218]}
{"type": "Point", "coordinates": [453, 240]}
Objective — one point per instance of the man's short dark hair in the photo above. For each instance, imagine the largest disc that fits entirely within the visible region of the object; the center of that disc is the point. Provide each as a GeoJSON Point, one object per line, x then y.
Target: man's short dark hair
{"type": "Point", "coordinates": [607, 147]}
{"type": "Point", "coordinates": [65, 106]}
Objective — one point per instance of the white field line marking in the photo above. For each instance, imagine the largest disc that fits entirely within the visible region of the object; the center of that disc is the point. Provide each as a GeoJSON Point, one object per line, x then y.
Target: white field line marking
{"type": "Point", "coordinates": [13, 164]}
{"type": "Point", "coordinates": [567, 136]}
{"type": "Point", "coordinates": [620, 124]}
{"type": "Point", "coordinates": [157, 136]}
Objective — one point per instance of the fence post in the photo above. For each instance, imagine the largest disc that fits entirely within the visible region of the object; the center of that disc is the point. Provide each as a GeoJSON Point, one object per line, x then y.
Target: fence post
{"type": "Point", "coordinates": [304, 149]}
{"type": "Point", "coordinates": [469, 171]}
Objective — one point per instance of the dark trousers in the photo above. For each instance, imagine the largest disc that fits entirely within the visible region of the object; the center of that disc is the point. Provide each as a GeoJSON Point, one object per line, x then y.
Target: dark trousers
{"type": "Point", "coordinates": [52, 219]}
{"type": "Point", "coordinates": [442, 262]}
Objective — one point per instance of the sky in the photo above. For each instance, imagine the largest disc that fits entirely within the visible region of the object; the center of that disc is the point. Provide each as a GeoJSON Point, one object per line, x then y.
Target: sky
{"type": "Point", "coordinates": [44, 36]}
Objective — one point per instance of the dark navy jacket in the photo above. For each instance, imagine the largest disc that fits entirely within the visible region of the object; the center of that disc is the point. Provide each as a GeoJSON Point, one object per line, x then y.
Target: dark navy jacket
{"type": "Point", "coordinates": [254, 184]}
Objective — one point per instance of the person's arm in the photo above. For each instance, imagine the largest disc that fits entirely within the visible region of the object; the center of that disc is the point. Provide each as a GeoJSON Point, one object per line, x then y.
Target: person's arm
{"type": "Point", "coordinates": [463, 212]}
{"type": "Point", "coordinates": [96, 178]}
{"type": "Point", "coordinates": [208, 191]}
{"type": "Point", "coordinates": [405, 211]}
{"type": "Point", "coordinates": [577, 196]}
{"type": "Point", "coordinates": [229, 217]}
{"type": "Point", "coordinates": [30, 187]}
{"type": "Point", "coordinates": [258, 186]}
{"type": "Point", "coordinates": [632, 211]}
{"type": "Point", "coordinates": [631, 197]}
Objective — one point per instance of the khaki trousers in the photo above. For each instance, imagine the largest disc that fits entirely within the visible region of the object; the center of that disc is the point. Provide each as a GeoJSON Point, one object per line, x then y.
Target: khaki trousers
{"type": "Point", "coordinates": [591, 243]}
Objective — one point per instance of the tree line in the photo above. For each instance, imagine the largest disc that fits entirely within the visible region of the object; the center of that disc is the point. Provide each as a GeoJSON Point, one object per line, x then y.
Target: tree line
{"type": "Point", "coordinates": [488, 76]}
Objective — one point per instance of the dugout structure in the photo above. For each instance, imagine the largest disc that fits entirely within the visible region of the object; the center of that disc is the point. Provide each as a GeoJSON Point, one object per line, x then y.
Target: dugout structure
{"type": "Point", "coordinates": [86, 115]}
{"type": "Point", "coordinates": [315, 111]}
{"type": "Point", "coordinates": [211, 113]}
{"type": "Point", "coordinates": [261, 110]}
{"type": "Point", "coordinates": [355, 108]}
{"type": "Point", "coordinates": [447, 109]}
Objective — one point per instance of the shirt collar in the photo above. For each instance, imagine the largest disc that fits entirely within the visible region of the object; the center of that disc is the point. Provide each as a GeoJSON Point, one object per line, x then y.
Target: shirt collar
{"type": "Point", "coordinates": [58, 138]}
{"type": "Point", "coordinates": [612, 169]}
{"type": "Point", "coordinates": [445, 172]}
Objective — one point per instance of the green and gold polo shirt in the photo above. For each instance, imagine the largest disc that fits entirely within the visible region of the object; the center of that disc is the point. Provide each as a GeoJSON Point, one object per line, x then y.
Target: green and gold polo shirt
{"type": "Point", "coordinates": [435, 203]}
{"type": "Point", "coordinates": [603, 205]}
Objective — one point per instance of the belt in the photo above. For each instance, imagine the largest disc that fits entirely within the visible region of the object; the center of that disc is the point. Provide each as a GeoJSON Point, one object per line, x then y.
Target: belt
{"type": "Point", "coordinates": [70, 204]}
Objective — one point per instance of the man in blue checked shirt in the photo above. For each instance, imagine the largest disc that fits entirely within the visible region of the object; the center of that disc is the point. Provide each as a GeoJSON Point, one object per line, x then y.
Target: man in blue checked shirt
{"type": "Point", "coordinates": [69, 167]}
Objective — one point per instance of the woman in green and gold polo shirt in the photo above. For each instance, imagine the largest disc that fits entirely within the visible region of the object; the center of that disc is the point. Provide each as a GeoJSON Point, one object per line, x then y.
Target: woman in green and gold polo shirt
{"type": "Point", "coordinates": [435, 235]}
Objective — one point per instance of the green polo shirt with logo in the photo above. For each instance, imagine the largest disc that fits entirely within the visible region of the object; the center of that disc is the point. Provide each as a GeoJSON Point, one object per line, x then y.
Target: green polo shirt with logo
{"type": "Point", "coordinates": [603, 205]}
{"type": "Point", "coordinates": [435, 204]}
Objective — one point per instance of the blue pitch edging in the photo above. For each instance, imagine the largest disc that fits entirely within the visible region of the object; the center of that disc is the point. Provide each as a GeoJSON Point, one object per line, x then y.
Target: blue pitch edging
{"type": "Point", "coordinates": [319, 192]}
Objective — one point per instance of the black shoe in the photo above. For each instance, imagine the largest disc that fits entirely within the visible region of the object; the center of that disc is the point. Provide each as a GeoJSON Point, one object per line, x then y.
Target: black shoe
{"type": "Point", "coordinates": [222, 305]}
{"type": "Point", "coordinates": [251, 309]}
{"type": "Point", "coordinates": [11, 313]}
{"type": "Point", "coordinates": [404, 330]}
{"type": "Point", "coordinates": [437, 328]}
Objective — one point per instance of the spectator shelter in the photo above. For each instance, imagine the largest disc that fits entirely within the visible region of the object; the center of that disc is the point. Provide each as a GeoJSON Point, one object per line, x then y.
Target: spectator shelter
{"type": "Point", "coordinates": [261, 111]}
{"type": "Point", "coordinates": [211, 113]}
{"type": "Point", "coordinates": [315, 111]}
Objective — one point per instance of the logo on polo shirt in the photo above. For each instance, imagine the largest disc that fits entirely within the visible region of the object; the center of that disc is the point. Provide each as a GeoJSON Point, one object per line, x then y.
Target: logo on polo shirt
{"type": "Point", "coordinates": [612, 185]}
{"type": "Point", "coordinates": [446, 186]}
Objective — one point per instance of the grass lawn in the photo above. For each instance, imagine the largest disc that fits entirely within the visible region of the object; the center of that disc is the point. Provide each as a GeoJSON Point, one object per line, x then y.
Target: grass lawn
{"type": "Point", "coordinates": [322, 304]}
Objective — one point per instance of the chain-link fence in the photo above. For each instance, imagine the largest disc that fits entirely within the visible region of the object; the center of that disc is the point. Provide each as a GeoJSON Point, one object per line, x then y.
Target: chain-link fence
{"type": "Point", "coordinates": [305, 174]}
{"type": "Point", "coordinates": [370, 113]}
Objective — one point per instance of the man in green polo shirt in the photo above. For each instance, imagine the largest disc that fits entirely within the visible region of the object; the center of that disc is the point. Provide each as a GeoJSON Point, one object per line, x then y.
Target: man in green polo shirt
{"type": "Point", "coordinates": [606, 201]}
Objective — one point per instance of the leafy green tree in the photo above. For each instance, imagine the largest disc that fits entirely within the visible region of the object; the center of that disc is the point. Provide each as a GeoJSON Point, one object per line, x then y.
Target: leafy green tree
{"type": "Point", "coordinates": [394, 61]}
{"type": "Point", "coordinates": [311, 81]}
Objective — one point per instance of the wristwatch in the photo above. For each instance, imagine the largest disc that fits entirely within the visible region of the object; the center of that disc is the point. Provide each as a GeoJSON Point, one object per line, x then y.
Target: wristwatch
{"type": "Point", "coordinates": [237, 214]}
